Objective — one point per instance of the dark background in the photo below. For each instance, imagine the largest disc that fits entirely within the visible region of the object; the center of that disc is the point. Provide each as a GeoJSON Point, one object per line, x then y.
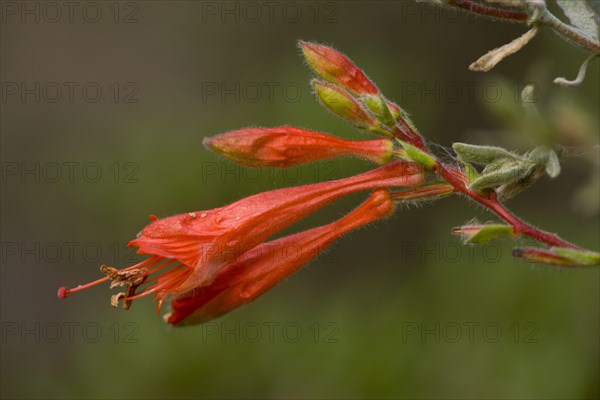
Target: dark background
{"type": "Point", "coordinates": [400, 309]}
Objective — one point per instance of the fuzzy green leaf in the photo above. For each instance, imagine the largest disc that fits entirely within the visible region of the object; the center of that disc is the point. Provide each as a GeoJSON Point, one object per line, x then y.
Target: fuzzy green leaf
{"type": "Point", "coordinates": [545, 158]}
{"type": "Point", "coordinates": [582, 16]}
{"type": "Point", "coordinates": [471, 173]}
{"type": "Point", "coordinates": [503, 174]}
{"type": "Point", "coordinates": [482, 154]}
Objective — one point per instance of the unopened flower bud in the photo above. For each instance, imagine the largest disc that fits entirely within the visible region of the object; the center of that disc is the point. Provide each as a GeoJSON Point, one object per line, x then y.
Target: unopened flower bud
{"type": "Point", "coordinates": [395, 109]}
{"type": "Point", "coordinates": [346, 106]}
{"type": "Point", "coordinates": [336, 68]}
{"type": "Point", "coordinates": [560, 256]}
{"type": "Point", "coordinates": [286, 146]}
{"type": "Point", "coordinates": [478, 234]}
{"type": "Point", "coordinates": [378, 106]}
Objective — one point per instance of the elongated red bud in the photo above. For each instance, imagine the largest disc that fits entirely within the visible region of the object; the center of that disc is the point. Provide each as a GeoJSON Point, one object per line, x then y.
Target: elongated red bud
{"type": "Point", "coordinates": [286, 146]}
{"type": "Point", "coordinates": [336, 68]}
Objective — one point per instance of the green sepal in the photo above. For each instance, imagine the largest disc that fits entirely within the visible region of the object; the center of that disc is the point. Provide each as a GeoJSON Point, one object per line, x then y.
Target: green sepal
{"type": "Point", "coordinates": [581, 257]}
{"type": "Point", "coordinates": [491, 231]}
{"type": "Point", "coordinates": [419, 156]}
{"type": "Point", "coordinates": [377, 104]}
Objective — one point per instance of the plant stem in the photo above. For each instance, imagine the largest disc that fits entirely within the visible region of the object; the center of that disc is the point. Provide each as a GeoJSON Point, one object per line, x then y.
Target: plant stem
{"type": "Point", "coordinates": [490, 11]}
{"type": "Point", "coordinates": [544, 17]}
{"type": "Point", "coordinates": [456, 178]}
{"type": "Point", "coordinates": [569, 33]}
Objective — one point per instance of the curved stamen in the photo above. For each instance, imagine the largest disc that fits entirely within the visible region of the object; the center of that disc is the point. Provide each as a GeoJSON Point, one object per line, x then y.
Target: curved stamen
{"type": "Point", "coordinates": [136, 275]}
{"type": "Point", "coordinates": [170, 281]}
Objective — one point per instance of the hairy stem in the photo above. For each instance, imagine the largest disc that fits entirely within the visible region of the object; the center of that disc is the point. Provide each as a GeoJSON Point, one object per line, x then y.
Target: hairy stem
{"type": "Point", "coordinates": [569, 33]}
{"type": "Point", "coordinates": [543, 17]}
{"type": "Point", "coordinates": [424, 193]}
{"type": "Point", "coordinates": [489, 10]}
{"type": "Point", "coordinates": [456, 178]}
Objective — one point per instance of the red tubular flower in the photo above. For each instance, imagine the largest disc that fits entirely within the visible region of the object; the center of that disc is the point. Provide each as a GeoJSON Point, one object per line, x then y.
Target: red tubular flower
{"type": "Point", "coordinates": [335, 67]}
{"type": "Point", "coordinates": [206, 240]}
{"type": "Point", "coordinates": [286, 146]}
{"type": "Point", "coordinates": [188, 250]}
{"type": "Point", "coordinates": [261, 268]}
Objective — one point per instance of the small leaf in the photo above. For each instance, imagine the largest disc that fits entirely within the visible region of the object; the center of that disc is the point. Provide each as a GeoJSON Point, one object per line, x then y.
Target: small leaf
{"type": "Point", "coordinates": [512, 189]}
{"type": "Point", "coordinates": [545, 158]}
{"type": "Point", "coordinates": [508, 172]}
{"type": "Point", "coordinates": [552, 164]}
{"type": "Point", "coordinates": [470, 171]}
{"type": "Point", "coordinates": [482, 154]}
{"type": "Point", "coordinates": [582, 16]}
{"type": "Point", "coordinates": [539, 155]}
{"type": "Point", "coordinates": [575, 83]}
{"type": "Point", "coordinates": [489, 60]}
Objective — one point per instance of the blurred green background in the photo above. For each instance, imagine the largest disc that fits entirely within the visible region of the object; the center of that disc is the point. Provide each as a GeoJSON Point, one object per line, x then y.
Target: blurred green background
{"type": "Point", "coordinates": [397, 310]}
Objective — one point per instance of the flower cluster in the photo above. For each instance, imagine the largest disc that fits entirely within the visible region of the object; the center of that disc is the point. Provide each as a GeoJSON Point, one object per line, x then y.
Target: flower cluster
{"type": "Point", "coordinates": [210, 262]}
{"type": "Point", "coordinates": [207, 263]}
